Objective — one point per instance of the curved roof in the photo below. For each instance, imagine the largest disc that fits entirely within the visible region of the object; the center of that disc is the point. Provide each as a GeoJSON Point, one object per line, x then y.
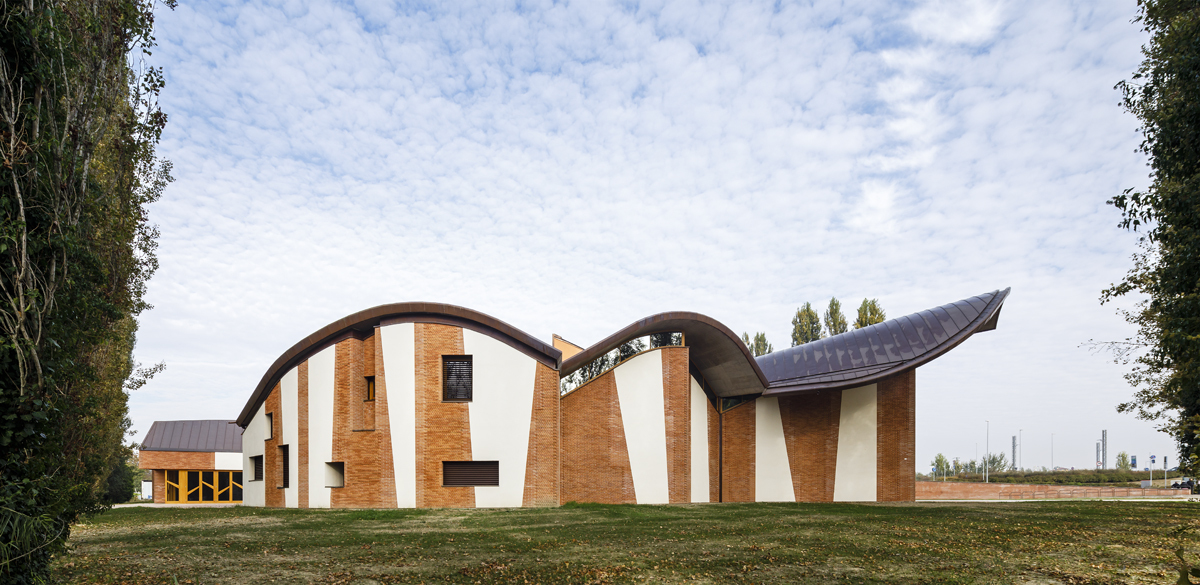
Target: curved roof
{"type": "Point", "coordinates": [717, 352]}
{"type": "Point", "coordinates": [362, 323]}
{"type": "Point", "coordinates": [219, 436]}
{"type": "Point", "coordinates": [862, 356]}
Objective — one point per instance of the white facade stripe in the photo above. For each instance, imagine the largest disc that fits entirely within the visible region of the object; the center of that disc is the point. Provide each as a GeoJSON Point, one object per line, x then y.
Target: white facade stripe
{"type": "Point", "coordinates": [640, 393]}
{"type": "Point", "coordinates": [320, 424]}
{"type": "Point", "coordinates": [289, 387]}
{"type": "Point", "coordinates": [699, 440]}
{"type": "Point", "coordinates": [855, 476]}
{"type": "Point", "coordinates": [399, 350]}
{"type": "Point", "coordinates": [500, 413]}
{"type": "Point", "coordinates": [772, 473]}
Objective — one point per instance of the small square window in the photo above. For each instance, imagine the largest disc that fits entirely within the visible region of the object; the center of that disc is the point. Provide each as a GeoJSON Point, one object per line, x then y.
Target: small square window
{"type": "Point", "coordinates": [270, 426]}
{"type": "Point", "coordinates": [370, 388]}
{"type": "Point", "coordinates": [257, 462]}
{"type": "Point", "coordinates": [335, 474]}
{"type": "Point", "coordinates": [456, 378]}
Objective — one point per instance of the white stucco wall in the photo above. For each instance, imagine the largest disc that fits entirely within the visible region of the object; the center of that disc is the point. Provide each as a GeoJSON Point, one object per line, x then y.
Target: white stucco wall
{"type": "Point", "coordinates": [227, 461]}
{"type": "Point", "coordinates": [400, 377]}
{"type": "Point", "coordinates": [772, 474]}
{"type": "Point", "coordinates": [289, 404]}
{"type": "Point", "coordinates": [253, 493]}
{"type": "Point", "coordinates": [320, 424]}
{"type": "Point", "coordinates": [698, 426]}
{"type": "Point", "coordinates": [500, 413]}
{"type": "Point", "coordinates": [640, 393]}
{"type": "Point", "coordinates": [854, 478]}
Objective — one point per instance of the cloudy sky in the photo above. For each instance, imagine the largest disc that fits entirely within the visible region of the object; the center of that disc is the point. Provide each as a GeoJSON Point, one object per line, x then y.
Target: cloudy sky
{"type": "Point", "coordinates": [572, 167]}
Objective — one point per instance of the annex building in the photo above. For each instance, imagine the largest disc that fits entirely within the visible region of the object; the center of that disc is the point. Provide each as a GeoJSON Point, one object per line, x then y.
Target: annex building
{"type": "Point", "coordinates": [414, 405]}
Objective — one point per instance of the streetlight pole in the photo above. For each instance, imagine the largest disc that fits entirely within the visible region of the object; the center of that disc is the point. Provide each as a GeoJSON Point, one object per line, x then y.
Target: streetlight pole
{"type": "Point", "coordinates": [987, 451]}
{"type": "Point", "coordinates": [1052, 452]}
{"type": "Point", "coordinates": [1021, 446]}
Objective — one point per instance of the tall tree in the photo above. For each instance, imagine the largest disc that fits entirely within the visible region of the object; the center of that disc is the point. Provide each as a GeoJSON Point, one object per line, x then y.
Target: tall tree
{"type": "Point", "coordinates": [1123, 462]}
{"type": "Point", "coordinates": [1164, 94]}
{"type": "Point", "coordinates": [869, 313]}
{"type": "Point", "coordinates": [835, 321]}
{"type": "Point", "coordinates": [806, 325]}
{"type": "Point", "coordinates": [78, 130]}
{"type": "Point", "coordinates": [758, 345]}
{"type": "Point", "coordinates": [941, 465]}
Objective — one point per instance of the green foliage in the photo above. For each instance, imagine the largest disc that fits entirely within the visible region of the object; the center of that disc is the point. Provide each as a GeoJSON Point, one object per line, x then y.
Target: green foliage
{"type": "Point", "coordinates": [941, 465]}
{"type": "Point", "coordinates": [835, 321]}
{"type": "Point", "coordinates": [78, 128]}
{"type": "Point", "coordinates": [806, 325]}
{"type": "Point", "coordinates": [759, 345]}
{"type": "Point", "coordinates": [122, 482]}
{"type": "Point", "coordinates": [1123, 462]}
{"type": "Point", "coordinates": [869, 313]}
{"type": "Point", "coordinates": [1164, 94]}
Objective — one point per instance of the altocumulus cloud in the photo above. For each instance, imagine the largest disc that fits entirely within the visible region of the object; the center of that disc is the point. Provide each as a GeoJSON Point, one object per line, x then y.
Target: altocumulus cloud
{"type": "Point", "coordinates": [572, 167]}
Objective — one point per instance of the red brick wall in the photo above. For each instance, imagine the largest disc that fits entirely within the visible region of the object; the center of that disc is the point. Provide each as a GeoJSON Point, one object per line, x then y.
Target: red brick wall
{"type": "Point", "coordinates": [360, 448]}
{"type": "Point", "coordinates": [382, 424]}
{"type": "Point", "coordinates": [443, 428]}
{"type": "Point", "coordinates": [272, 469]}
{"type": "Point", "coordinates": [176, 460]}
{"type": "Point", "coordinates": [714, 453]}
{"type": "Point", "coordinates": [302, 434]}
{"type": "Point", "coordinates": [595, 457]}
{"type": "Point", "coordinates": [896, 438]}
{"type": "Point", "coordinates": [950, 490]}
{"type": "Point", "coordinates": [810, 430]}
{"type": "Point", "coordinates": [738, 456]}
{"type": "Point", "coordinates": [678, 406]}
{"type": "Point", "coordinates": [541, 465]}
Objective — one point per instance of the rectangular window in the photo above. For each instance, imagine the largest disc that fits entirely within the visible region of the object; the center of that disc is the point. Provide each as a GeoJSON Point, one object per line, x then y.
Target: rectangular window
{"type": "Point", "coordinates": [456, 378]}
{"type": "Point", "coordinates": [335, 474]}
{"type": "Point", "coordinates": [370, 388]}
{"type": "Point", "coordinates": [270, 426]}
{"type": "Point", "coordinates": [173, 485]}
{"type": "Point", "coordinates": [257, 462]}
{"type": "Point", "coordinates": [285, 466]}
{"type": "Point", "coordinates": [470, 473]}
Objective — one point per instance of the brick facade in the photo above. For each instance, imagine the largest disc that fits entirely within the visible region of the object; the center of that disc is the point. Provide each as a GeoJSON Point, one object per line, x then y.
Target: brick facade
{"type": "Point", "coordinates": [678, 405]}
{"type": "Point", "coordinates": [382, 424]}
{"type": "Point", "coordinates": [272, 467]}
{"type": "Point", "coordinates": [302, 437]}
{"type": "Point", "coordinates": [896, 438]}
{"type": "Point", "coordinates": [159, 478]}
{"type": "Point", "coordinates": [738, 453]}
{"type": "Point", "coordinates": [541, 466]}
{"type": "Point", "coordinates": [810, 430]}
{"type": "Point", "coordinates": [369, 477]}
{"type": "Point", "coordinates": [443, 428]}
{"type": "Point", "coordinates": [595, 458]}
{"type": "Point", "coordinates": [714, 453]}
{"type": "Point", "coordinates": [176, 460]}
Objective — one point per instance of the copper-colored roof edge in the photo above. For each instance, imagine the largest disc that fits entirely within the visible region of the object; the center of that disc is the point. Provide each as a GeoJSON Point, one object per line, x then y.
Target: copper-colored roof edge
{"type": "Point", "coordinates": [648, 326]}
{"type": "Point", "coordinates": [370, 318]}
{"type": "Point", "coordinates": [976, 325]}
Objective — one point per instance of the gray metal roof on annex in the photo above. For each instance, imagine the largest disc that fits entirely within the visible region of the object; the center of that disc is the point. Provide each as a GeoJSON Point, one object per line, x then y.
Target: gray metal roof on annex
{"type": "Point", "coordinates": [863, 355]}
{"type": "Point", "coordinates": [221, 436]}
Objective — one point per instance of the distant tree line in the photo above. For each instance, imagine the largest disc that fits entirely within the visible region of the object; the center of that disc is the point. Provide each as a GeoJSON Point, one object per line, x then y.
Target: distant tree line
{"type": "Point", "coordinates": [809, 326]}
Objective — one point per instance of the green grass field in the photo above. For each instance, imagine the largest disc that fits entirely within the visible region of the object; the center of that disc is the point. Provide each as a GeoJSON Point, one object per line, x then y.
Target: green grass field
{"type": "Point", "coordinates": [1029, 542]}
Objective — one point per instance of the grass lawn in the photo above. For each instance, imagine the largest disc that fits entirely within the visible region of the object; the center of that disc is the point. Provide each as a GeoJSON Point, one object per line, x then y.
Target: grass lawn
{"type": "Point", "coordinates": [1038, 542]}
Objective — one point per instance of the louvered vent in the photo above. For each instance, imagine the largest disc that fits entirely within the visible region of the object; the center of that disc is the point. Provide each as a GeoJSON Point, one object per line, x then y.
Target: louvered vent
{"type": "Point", "coordinates": [456, 378]}
{"type": "Point", "coordinates": [287, 464]}
{"type": "Point", "coordinates": [470, 473]}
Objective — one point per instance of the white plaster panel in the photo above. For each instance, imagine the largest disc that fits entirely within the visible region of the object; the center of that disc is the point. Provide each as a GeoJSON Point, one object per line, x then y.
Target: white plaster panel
{"type": "Point", "coordinates": [500, 413]}
{"type": "Point", "coordinates": [399, 350]}
{"type": "Point", "coordinates": [854, 477]}
{"type": "Point", "coordinates": [772, 474]}
{"type": "Point", "coordinates": [640, 392]}
{"type": "Point", "coordinates": [227, 461]}
{"type": "Point", "coordinates": [253, 492]}
{"type": "Point", "coordinates": [289, 404]}
{"type": "Point", "coordinates": [699, 440]}
{"type": "Point", "coordinates": [320, 424]}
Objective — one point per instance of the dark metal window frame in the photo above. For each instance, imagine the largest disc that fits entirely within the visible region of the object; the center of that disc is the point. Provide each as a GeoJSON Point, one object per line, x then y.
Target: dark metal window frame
{"type": "Point", "coordinates": [285, 465]}
{"type": "Point", "coordinates": [370, 389]}
{"type": "Point", "coordinates": [470, 473]}
{"type": "Point", "coordinates": [453, 388]}
{"type": "Point", "coordinates": [270, 426]}
{"type": "Point", "coordinates": [256, 461]}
